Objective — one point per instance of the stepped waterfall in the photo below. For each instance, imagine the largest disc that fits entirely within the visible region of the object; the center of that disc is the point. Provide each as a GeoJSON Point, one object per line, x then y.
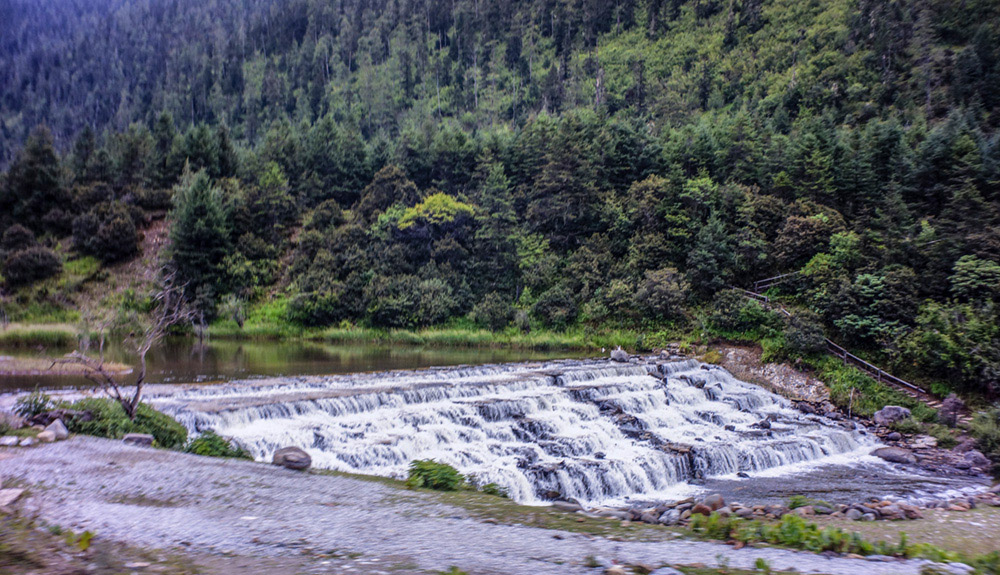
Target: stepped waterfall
{"type": "Point", "coordinates": [595, 431]}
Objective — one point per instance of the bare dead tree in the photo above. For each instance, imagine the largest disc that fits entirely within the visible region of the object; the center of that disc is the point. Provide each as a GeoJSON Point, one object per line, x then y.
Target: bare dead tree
{"type": "Point", "coordinates": [169, 309]}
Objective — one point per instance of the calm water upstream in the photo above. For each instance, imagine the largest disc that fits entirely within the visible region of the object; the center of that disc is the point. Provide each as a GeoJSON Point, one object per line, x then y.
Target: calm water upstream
{"type": "Point", "coordinates": [185, 361]}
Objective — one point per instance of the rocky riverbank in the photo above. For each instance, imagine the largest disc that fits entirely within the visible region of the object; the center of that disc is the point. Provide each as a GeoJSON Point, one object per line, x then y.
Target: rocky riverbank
{"type": "Point", "coordinates": [240, 513]}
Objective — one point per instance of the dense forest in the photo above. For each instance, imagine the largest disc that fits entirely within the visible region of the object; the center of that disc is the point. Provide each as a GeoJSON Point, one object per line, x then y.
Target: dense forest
{"type": "Point", "coordinates": [404, 163]}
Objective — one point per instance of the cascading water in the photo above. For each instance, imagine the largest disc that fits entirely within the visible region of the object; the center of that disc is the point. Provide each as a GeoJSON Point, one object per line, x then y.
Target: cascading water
{"type": "Point", "coordinates": [593, 430]}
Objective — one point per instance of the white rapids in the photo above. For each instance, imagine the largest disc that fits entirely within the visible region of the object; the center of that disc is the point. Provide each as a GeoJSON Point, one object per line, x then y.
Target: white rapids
{"type": "Point", "coordinates": [594, 431]}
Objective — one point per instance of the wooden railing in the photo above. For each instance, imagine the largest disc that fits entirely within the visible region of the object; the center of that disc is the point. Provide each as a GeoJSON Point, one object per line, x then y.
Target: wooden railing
{"type": "Point", "coordinates": [873, 370]}
{"type": "Point", "coordinates": [761, 285]}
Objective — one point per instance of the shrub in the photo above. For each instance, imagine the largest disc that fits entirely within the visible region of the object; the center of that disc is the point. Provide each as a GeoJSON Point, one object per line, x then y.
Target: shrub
{"type": "Point", "coordinates": [211, 444]}
{"type": "Point", "coordinates": [30, 265]}
{"type": "Point", "coordinates": [907, 425]}
{"type": "Point", "coordinates": [986, 430]}
{"type": "Point", "coordinates": [494, 489]}
{"type": "Point", "coordinates": [111, 421]}
{"type": "Point", "coordinates": [662, 293]}
{"type": "Point", "coordinates": [796, 501]}
{"type": "Point", "coordinates": [556, 307]}
{"type": "Point", "coordinates": [494, 312]}
{"type": "Point", "coordinates": [117, 239]}
{"type": "Point", "coordinates": [430, 474]}
{"type": "Point", "coordinates": [32, 404]}
{"type": "Point", "coordinates": [804, 335]}
{"type": "Point", "coordinates": [733, 313]}
{"type": "Point", "coordinates": [17, 238]}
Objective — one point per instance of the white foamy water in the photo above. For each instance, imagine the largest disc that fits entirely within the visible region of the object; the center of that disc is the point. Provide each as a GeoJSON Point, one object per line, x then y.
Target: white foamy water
{"type": "Point", "coordinates": [595, 431]}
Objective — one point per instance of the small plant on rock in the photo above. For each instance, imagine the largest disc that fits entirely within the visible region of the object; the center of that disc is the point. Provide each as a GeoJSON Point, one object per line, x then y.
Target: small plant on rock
{"type": "Point", "coordinates": [212, 444]}
{"type": "Point", "coordinates": [33, 404]}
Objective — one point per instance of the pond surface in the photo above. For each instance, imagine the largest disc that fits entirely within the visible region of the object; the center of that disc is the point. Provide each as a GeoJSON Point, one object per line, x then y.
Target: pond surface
{"type": "Point", "coordinates": [186, 361]}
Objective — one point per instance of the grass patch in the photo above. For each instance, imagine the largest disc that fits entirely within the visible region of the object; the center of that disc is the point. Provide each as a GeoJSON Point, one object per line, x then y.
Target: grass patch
{"type": "Point", "coordinates": [868, 394]}
{"type": "Point", "coordinates": [111, 421]}
{"type": "Point", "coordinates": [26, 336]}
{"type": "Point", "coordinates": [211, 444]}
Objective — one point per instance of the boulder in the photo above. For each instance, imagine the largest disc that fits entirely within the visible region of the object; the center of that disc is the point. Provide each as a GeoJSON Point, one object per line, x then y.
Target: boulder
{"type": "Point", "coordinates": [891, 414]}
{"type": "Point", "coordinates": [701, 509]}
{"type": "Point", "coordinates": [714, 502]}
{"type": "Point", "coordinates": [561, 505]}
{"type": "Point", "coordinates": [46, 436]}
{"type": "Point", "coordinates": [138, 439]}
{"type": "Point", "coordinates": [619, 355]}
{"type": "Point", "coordinates": [615, 570]}
{"type": "Point", "coordinates": [649, 517]}
{"type": "Point", "coordinates": [853, 514]}
{"type": "Point", "coordinates": [895, 455]}
{"type": "Point", "coordinates": [27, 442]}
{"type": "Point", "coordinates": [9, 441]}
{"type": "Point", "coordinates": [59, 429]}
{"type": "Point", "coordinates": [950, 409]}
{"type": "Point", "coordinates": [923, 442]}
{"type": "Point", "coordinates": [292, 458]}
{"type": "Point", "coordinates": [965, 445]}
{"type": "Point", "coordinates": [977, 458]}
{"type": "Point", "coordinates": [670, 517]}
{"type": "Point", "coordinates": [894, 436]}
{"type": "Point", "coordinates": [805, 511]}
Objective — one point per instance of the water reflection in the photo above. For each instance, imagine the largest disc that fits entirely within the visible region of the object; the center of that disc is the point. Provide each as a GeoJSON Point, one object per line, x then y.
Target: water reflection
{"type": "Point", "coordinates": [182, 360]}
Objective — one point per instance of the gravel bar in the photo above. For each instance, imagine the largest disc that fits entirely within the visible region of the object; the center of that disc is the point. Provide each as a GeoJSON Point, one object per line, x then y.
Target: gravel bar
{"type": "Point", "coordinates": [169, 500]}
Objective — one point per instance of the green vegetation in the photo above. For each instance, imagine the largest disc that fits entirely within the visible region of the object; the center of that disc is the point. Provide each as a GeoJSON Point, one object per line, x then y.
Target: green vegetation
{"type": "Point", "coordinates": [111, 421]}
{"type": "Point", "coordinates": [986, 430]}
{"type": "Point", "coordinates": [211, 444]}
{"type": "Point", "coordinates": [854, 391]}
{"type": "Point", "coordinates": [522, 168]}
{"type": "Point", "coordinates": [32, 404]}
{"type": "Point", "coordinates": [432, 475]}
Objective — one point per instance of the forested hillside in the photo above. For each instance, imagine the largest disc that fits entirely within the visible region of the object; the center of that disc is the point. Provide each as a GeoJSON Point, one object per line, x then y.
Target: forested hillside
{"type": "Point", "coordinates": [398, 163]}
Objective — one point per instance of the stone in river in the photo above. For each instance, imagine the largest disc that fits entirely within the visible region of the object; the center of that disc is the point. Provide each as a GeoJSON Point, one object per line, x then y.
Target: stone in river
{"type": "Point", "coordinates": [292, 458]}
{"type": "Point", "coordinates": [138, 439]}
{"type": "Point", "coordinates": [59, 429]}
{"type": "Point", "coordinates": [895, 455]}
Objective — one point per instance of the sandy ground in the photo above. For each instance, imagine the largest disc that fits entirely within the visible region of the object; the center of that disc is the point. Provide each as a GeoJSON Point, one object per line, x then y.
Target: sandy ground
{"type": "Point", "coordinates": [226, 513]}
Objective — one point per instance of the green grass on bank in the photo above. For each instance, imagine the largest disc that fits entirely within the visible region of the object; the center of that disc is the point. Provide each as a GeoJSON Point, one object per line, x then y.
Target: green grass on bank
{"type": "Point", "coordinates": [38, 335]}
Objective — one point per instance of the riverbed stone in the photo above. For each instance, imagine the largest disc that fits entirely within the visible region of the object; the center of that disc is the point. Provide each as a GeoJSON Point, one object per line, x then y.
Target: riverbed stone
{"type": "Point", "coordinates": [9, 496]}
{"type": "Point", "coordinates": [9, 441]}
{"type": "Point", "coordinates": [853, 514]}
{"type": "Point", "coordinates": [46, 436]}
{"type": "Point", "coordinates": [619, 355]}
{"type": "Point", "coordinates": [977, 458]}
{"type": "Point", "coordinates": [895, 455]}
{"type": "Point", "coordinates": [868, 517]}
{"type": "Point", "coordinates": [615, 570]}
{"type": "Point", "coordinates": [292, 458]}
{"type": "Point", "coordinates": [566, 506]}
{"type": "Point", "coordinates": [714, 502]}
{"type": "Point", "coordinates": [138, 439]}
{"type": "Point", "coordinates": [27, 442]}
{"type": "Point", "coordinates": [670, 517]}
{"type": "Point", "coordinates": [891, 414]}
{"type": "Point", "coordinates": [701, 509]}
{"type": "Point", "coordinates": [58, 428]}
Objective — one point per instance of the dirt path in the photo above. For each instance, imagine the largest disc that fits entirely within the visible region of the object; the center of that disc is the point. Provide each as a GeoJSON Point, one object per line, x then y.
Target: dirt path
{"type": "Point", "coordinates": [245, 513]}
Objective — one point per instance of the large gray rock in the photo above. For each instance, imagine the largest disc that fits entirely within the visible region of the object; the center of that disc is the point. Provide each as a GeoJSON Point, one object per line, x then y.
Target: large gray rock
{"type": "Point", "coordinates": [977, 458]}
{"type": "Point", "coordinates": [950, 409]}
{"type": "Point", "coordinates": [853, 514]}
{"type": "Point", "coordinates": [292, 458]}
{"type": "Point", "coordinates": [46, 436]}
{"type": "Point", "coordinates": [895, 455]}
{"type": "Point", "coordinates": [138, 439]}
{"type": "Point", "coordinates": [619, 355]}
{"type": "Point", "coordinates": [9, 441]}
{"type": "Point", "coordinates": [562, 505]}
{"type": "Point", "coordinates": [59, 429]}
{"type": "Point", "coordinates": [891, 414]}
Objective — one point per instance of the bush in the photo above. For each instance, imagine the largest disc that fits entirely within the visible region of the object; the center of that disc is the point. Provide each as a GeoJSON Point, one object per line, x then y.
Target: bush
{"type": "Point", "coordinates": [111, 421]}
{"type": "Point", "coordinates": [211, 444]}
{"type": "Point", "coordinates": [986, 430]}
{"type": "Point", "coordinates": [32, 404]}
{"type": "Point", "coordinates": [430, 474]}
{"type": "Point", "coordinates": [662, 293]}
{"type": "Point", "coordinates": [556, 307]}
{"type": "Point", "coordinates": [908, 425]}
{"type": "Point", "coordinates": [733, 313]}
{"type": "Point", "coordinates": [30, 265]}
{"type": "Point", "coordinates": [493, 313]}
{"type": "Point", "coordinates": [17, 238]}
{"type": "Point", "coordinates": [804, 335]}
